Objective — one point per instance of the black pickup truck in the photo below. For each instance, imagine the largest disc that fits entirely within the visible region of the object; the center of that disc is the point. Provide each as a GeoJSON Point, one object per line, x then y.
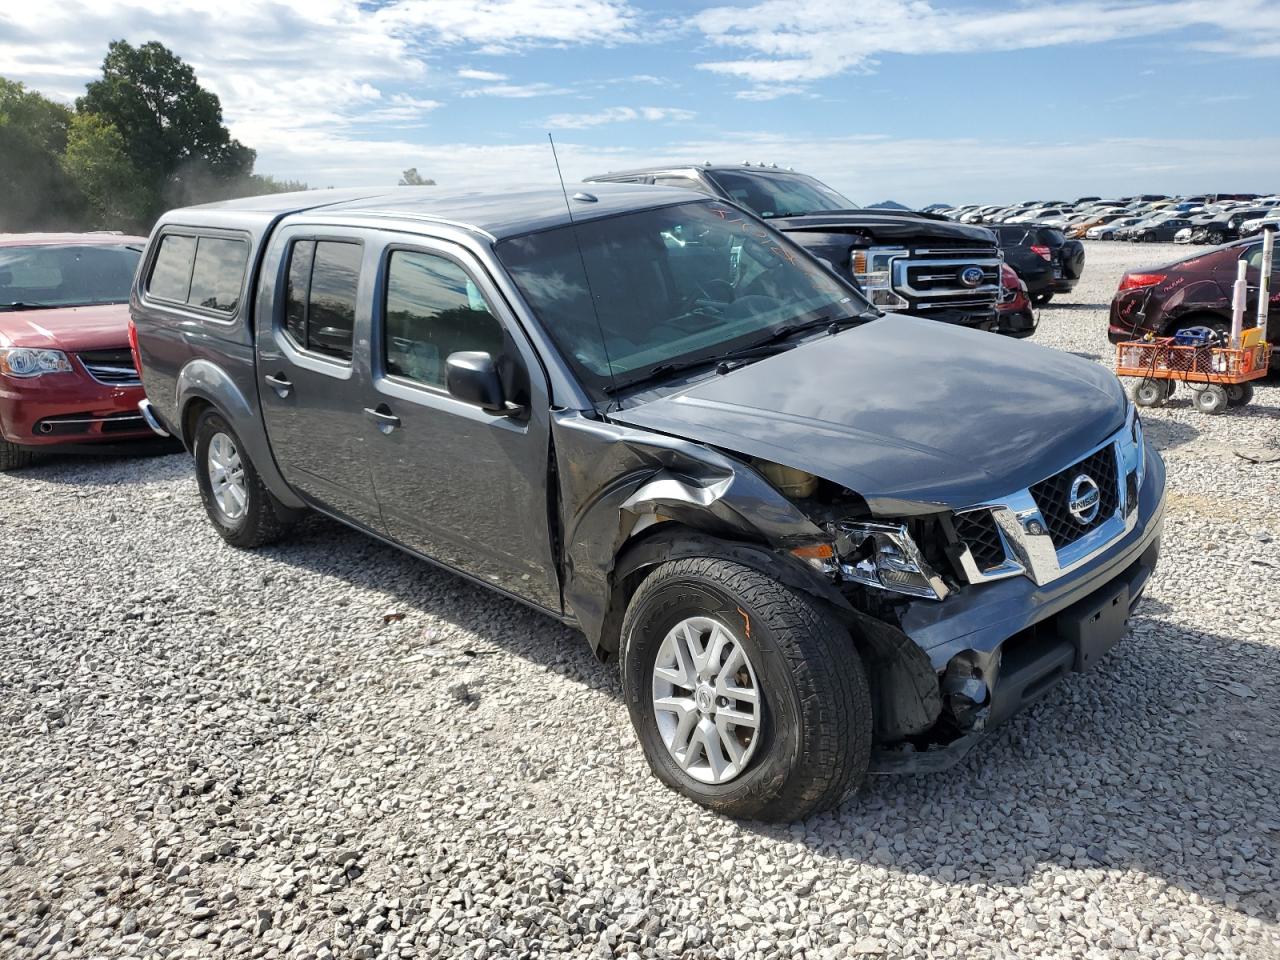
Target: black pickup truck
{"type": "Point", "coordinates": [917, 263]}
{"type": "Point", "coordinates": [817, 540]}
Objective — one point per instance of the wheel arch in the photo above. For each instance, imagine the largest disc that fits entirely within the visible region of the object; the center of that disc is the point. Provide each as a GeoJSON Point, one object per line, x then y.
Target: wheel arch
{"type": "Point", "coordinates": [203, 384]}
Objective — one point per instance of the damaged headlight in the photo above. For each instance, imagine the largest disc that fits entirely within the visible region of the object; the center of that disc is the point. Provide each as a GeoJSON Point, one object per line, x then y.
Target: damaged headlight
{"type": "Point", "coordinates": [873, 269]}
{"type": "Point", "coordinates": [883, 555]}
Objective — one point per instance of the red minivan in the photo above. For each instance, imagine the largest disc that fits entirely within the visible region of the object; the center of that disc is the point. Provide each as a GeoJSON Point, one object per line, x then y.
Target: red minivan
{"type": "Point", "coordinates": [67, 376]}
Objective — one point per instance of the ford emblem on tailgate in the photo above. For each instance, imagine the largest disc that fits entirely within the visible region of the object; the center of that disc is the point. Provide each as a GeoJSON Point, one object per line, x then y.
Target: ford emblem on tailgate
{"type": "Point", "coordinates": [1085, 499]}
{"type": "Point", "coordinates": [971, 276]}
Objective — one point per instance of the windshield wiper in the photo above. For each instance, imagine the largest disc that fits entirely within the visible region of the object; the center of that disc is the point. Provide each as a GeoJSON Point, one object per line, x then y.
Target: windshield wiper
{"type": "Point", "coordinates": [23, 305]}
{"type": "Point", "coordinates": [763, 347]}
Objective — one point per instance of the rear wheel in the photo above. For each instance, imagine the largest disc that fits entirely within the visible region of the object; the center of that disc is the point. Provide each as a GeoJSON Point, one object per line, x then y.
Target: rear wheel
{"type": "Point", "coordinates": [13, 456]}
{"type": "Point", "coordinates": [1211, 399]}
{"type": "Point", "coordinates": [1239, 394]}
{"type": "Point", "coordinates": [746, 696]}
{"type": "Point", "coordinates": [243, 510]}
{"type": "Point", "coordinates": [1150, 392]}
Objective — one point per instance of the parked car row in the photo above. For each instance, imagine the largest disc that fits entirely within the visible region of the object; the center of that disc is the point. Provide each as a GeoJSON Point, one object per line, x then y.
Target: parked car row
{"type": "Point", "coordinates": [1149, 218]}
{"type": "Point", "coordinates": [820, 538]}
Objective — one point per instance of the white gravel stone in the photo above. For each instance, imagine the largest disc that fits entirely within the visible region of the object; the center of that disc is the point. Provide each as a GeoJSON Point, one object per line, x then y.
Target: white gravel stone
{"type": "Point", "coordinates": [205, 752]}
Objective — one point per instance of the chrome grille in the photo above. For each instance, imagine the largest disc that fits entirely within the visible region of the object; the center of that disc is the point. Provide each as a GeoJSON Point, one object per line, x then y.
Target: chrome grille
{"type": "Point", "coordinates": [1052, 496]}
{"type": "Point", "coordinates": [114, 368]}
{"type": "Point", "coordinates": [932, 277]}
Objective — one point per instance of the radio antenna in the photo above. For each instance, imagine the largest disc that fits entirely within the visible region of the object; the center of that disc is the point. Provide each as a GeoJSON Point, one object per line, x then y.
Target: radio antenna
{"type": "Point", "coordinates": [573, 226]}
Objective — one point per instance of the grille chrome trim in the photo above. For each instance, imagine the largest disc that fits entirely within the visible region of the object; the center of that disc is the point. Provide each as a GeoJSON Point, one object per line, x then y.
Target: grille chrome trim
{"type": "Point", "coordinates": [111, 368]}
{"type": "Point", "coordinates": [1036, 555]}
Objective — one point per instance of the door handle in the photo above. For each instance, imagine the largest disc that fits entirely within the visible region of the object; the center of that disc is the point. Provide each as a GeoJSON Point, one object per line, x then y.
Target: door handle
{"type": "Point", "coordinates": [383, 417]}
{"type": "Point", "coordinates": [280, 383]}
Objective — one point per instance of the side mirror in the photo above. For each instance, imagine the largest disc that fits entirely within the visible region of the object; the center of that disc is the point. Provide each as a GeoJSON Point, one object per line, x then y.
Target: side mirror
{"type": "Point", "coordinates": [472, 377]}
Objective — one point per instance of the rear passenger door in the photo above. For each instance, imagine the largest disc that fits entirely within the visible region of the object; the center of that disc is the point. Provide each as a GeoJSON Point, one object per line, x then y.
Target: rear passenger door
{"type": "Point", "coordinates": [312, 347]}
{"type": "Point", "coordinates": [464, 486]}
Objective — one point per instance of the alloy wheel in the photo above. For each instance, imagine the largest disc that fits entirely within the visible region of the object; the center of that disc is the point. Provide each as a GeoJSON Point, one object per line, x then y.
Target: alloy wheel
{"type": "Point", "coordinates": [706, 700]}
{"type": "Point", "coordinates": [226, 476]}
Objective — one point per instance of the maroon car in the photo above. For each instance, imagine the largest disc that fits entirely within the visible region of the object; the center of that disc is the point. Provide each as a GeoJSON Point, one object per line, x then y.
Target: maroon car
{"type": "Point", "coordinates": [1193, 292]}
{"type": "Point", "coordinates": [67, 376]}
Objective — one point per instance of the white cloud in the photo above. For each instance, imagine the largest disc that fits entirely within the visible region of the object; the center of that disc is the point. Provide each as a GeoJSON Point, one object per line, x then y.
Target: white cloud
{"type": "Point", "coordinates": [485, 75]}
{"type": "Point", "coordinates": [504, 25]}
{"type": "Point", "coordinates": [793, 42]}
{"type": "Point", "coordinates": [579, 121]}
{"type": "Point", "coordinates": [517, 91]}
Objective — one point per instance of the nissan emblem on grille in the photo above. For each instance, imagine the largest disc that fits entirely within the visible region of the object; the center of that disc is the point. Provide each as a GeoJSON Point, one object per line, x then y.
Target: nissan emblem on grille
{"type": "Point", "coordinates": [1085, 499]}
{"type": "Point", "coordinates": [971, 276]}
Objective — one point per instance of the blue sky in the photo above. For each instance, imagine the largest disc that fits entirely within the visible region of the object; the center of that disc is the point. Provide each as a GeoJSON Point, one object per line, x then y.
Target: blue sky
{"type": "Point", "coordinates": [916, 100]}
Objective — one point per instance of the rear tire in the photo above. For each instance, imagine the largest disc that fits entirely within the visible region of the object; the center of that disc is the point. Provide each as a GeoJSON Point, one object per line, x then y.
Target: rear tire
{"type": "Point", "coordinates": [1149, 392]}
{"type": "Point", "coordinates": [1239, 394]}
{"type": "Point", "coordinates": [14, 456]}
{"type": "Point", "coordinates": [812, 740]}
{"type": "Point", "coordinates": [245, 513]}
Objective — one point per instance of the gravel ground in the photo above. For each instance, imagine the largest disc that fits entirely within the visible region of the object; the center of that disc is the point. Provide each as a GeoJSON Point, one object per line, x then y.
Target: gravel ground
{"type": "Point", "coordinates": [327, 749]}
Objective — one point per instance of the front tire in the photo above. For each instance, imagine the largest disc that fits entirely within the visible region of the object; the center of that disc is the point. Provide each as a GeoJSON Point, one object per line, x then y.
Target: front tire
{"type": "Point", "coordinates": [1211, 399]}
{"type": "Point", "coordinates": [245, 513]}
{"type": "Point", "coordinates": [14, 456]}
{"type": "Point", "coordinates": [746, 696]}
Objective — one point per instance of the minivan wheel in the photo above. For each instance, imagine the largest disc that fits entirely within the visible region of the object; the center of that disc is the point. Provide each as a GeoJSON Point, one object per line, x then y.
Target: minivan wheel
{"type": "Point", "coordinates": [746, 696]}
{"type": "Point", "coordinates": [13, 456]}
{"type": "Point", "coordinates": [243, 510]}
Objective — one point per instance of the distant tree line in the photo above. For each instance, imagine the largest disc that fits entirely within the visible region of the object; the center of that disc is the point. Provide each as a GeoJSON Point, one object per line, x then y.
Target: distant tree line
{"type": "Point", "coordinates": [143, 139]}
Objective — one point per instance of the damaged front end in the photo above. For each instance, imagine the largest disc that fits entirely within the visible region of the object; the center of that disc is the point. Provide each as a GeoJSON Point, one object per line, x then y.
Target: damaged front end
{"type": "Point", "coordinates": [962, 615]}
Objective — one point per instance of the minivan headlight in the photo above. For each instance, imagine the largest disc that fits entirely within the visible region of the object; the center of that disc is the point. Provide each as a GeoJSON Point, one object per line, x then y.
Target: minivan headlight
{"type": "Point", "coordinates": [883, 555]}
{"type": "Point", "coordinates": [872, 267]}
{"type": "Point", "coordinates": [27, 362]}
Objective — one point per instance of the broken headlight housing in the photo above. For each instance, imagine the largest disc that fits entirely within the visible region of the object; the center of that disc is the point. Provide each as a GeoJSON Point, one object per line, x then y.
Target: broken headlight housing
{"type": "Point", "coordinates": [883, 555]}
{"type": "Point", "coordinates": [873, 269]}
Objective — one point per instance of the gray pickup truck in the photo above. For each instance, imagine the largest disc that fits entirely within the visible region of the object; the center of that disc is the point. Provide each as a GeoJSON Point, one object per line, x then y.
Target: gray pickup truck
{"type": "Point", "coordinates": [818, 541]}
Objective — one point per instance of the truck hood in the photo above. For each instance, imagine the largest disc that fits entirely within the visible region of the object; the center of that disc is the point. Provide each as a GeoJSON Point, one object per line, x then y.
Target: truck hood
{"type": "Point", "coordinates": [887, 227]}
{"type": "Point", "coordinates": [103, 326]}
{"type": "Point", "coordinates": [911, 414]}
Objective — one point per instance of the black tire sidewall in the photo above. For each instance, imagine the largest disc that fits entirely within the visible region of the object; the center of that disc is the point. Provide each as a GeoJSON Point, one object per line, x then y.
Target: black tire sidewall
{"type": "Point", "coordinates": [686, 596]}
{"type": "Point", "coordinates": [211, 422]}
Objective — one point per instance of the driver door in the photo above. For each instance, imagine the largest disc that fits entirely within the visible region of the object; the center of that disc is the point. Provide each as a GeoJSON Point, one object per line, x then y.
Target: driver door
{"type": "Point", "coordinates": [461, 485]}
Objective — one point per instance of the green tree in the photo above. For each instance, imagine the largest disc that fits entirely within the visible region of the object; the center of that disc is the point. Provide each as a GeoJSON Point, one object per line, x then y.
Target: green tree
{"type": "Point", "coordinates": [35, 193]}
{"type": "Point", "coordinates": [172, 127]}
{"type": "Point", "coordinates": [411, 178]}
{"type": "Point", "coordinates": [97, 161]}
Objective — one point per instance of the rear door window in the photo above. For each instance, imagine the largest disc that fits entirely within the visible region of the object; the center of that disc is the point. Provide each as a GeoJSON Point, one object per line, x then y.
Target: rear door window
{"type": "Point", "coordinates": [320, 300]}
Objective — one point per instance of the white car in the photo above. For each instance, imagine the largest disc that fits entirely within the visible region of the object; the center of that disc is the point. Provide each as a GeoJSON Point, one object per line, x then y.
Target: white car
{"type": "Point", "coordinates": [1183, 235]}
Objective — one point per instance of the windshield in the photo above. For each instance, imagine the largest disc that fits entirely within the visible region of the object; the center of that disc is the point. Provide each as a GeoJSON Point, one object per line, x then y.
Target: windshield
{"type": "Point", "coordinates": [779, 194]}
{"type": "Point", "coordinates": [670, 285]}
{"type": "Point", "coordinates": [66, 275]}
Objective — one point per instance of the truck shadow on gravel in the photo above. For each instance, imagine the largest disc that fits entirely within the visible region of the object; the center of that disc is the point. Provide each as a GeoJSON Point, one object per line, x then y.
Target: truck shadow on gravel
{"type": "Point", "coordinates": [1163, 760]}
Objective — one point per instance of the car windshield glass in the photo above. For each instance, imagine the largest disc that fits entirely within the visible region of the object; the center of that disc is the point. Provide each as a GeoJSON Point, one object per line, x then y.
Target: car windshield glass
{"type": "Point", "coordinates": [66, 275]}
{"type": "Point", "coordinates": [670, 286]}
{"type": "Point", "coordinates": [779, 194]}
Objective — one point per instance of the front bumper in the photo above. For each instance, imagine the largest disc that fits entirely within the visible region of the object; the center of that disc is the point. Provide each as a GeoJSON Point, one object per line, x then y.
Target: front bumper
{"type": "Point", "coordinates": [1030, 637]}
{"type": "Point", "coordinates": [69, 408]}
